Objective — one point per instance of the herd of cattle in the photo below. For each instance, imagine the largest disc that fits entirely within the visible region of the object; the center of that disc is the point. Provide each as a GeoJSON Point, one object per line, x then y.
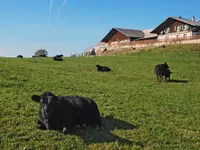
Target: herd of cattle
{"type": "Point", "coordinates": [65, 113]}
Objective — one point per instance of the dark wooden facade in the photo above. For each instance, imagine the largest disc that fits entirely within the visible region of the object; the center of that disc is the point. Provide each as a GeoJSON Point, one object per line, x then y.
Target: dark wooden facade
{"type": "Point", "coordinates": [118, 37]}
{"type": "Point", "coordinates": [177, 23]}
{"type": "Point", "coordinates": [172, 25]}
{"type": "Point", "coordinates": [114, 36]}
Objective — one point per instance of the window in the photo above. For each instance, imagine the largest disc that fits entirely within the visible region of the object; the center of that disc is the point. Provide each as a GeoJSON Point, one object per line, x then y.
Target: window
{"type": "Point", "coordinates": [162, 32]}
{"type": "Point", "coordinates": [186, 27]}
{"type": "Point", "coordinates": [179, 28]}
{"type": "Point", "coordinates": [167, 30]}
{"type": "Point", "coordinates": [182, 27]}
{"type": "Point", "coordinates": [175, 28]}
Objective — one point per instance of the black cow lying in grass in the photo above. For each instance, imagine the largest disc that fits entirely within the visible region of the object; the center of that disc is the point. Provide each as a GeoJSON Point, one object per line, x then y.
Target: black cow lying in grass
{"type": "Point", "coordinates": [65, 112]}
{"type": "Point", "coordinates": [58, 57]}
{"type": "Point", "coordinates": [103, 68]}
{"type": "Point", "coordinates": [61, 55]}
{"type": "Point", "coordinates": [162, 70]}
{"type": "Point", "coordinates": [19, 56]}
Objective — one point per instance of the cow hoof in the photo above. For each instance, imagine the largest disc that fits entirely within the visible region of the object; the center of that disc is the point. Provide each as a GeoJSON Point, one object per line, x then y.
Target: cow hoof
{"type": "Point", "coordinates": [65, 131]}
{"type": "Point", "coordinates": [41, 127]}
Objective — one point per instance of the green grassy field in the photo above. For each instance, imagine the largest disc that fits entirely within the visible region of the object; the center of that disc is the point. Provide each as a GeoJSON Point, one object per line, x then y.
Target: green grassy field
{"type": "Point", "coordinates": [137, 111]}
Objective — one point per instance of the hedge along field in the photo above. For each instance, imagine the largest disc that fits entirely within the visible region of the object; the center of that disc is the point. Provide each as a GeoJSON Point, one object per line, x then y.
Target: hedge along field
{"type": "Point", "coordinates": [137, 111]}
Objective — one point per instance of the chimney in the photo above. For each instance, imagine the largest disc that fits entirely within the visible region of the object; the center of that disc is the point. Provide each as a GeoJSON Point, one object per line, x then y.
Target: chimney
{"type": "Point", "coordinates": [193, 18]}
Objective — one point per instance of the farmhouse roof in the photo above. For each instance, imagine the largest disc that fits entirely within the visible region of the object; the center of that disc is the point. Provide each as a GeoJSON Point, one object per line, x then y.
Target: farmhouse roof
{"type": "Point", "coordinates": [167, 22]}
{"type": "Point", "coordinates": [148, 34]}
{"type": "Point", "coordinates": [130, 32]}
{"type": "Point", "coordinates": [188, 21]}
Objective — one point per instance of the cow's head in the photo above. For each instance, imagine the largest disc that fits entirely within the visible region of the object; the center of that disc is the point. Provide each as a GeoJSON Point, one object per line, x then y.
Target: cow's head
{"type": "Point", "coordinates": [48, 103]}
{"type": "Point", "coordinates": [98, 67]}
{"type": "Point", "coordinates": [166, 66]}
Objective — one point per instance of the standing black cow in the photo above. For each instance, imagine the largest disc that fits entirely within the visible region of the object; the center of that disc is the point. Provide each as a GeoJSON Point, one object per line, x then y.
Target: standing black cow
{"type": "Point", "coordinates": [65, 112]}
{"type": "Point", "coordinates": [103, 68]}
{"type": "Point", "coordinates": [160, 71]}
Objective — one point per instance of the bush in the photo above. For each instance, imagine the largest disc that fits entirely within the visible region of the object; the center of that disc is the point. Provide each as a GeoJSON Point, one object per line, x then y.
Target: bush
{"type": "Point", "coordinates": [41, 53]}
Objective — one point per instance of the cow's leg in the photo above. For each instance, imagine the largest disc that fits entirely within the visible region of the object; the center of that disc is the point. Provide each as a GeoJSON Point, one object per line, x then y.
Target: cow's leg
{"type": "Point", "coordinates": [165, 78]}
{"type": "Point", "coordinates": [40, 125]}
{"type": "Point", "coordinates": [160, 78]}
{"type": "Point", "coordinates": [157, 78]}
{"type": "Point", "coordinates": [46, 123]}
{"type": "Point", "coordinates": [65, 130]}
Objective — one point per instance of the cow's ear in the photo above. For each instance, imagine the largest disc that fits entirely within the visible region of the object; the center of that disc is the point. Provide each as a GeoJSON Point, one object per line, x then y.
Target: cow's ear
{"type": "Point", "coordinates": [35, 98]}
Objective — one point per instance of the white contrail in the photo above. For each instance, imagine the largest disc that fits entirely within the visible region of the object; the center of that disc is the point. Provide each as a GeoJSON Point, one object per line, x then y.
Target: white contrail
{"type": "Point", "coordinates": [63, 4]}
{"type": "Point", "coordinates": [50, 6]}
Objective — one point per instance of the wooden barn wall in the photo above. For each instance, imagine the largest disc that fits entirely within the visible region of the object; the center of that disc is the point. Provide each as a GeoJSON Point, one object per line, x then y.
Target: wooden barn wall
{"type": "Point", "coordinates": [176, 23]}
{"type": "Point", "coordinates": [118, 37]}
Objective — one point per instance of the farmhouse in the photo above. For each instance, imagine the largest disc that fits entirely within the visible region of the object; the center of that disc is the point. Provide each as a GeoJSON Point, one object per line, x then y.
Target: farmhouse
{"type": "Point", "coordinates": [177, 27]}
{"type": "Point", "coordinates": [170, 29]}
{"type": "Point", "coordinates": [127, 35]}
{"type": "Point", "coordinates": [121, 35]}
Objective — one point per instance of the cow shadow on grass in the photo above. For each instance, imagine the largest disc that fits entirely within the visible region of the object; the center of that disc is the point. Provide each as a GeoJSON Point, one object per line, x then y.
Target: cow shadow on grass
{"type": "Point", "coordinates": [178, 81]}
{"type": "Point", "coordinates": [104, 134]}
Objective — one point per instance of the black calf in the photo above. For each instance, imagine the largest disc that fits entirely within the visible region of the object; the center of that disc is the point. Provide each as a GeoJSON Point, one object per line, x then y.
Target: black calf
{"type": "Point", "coordinates": [103, 68]}
{"type": "Point", "coordinates": [19, 56]}
{"type": "Point", "coordinates": [167, 74]}
{"type": "Point", "coordinates": [57, 58]}
{"type": "Point", "coordinates": [161, 70]}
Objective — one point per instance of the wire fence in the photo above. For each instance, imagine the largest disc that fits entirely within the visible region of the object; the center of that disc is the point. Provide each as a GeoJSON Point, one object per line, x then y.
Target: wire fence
{"type": "Point", "coordinates": [169, 41]}
{"type": "Point", "coordinates": [168, 55]}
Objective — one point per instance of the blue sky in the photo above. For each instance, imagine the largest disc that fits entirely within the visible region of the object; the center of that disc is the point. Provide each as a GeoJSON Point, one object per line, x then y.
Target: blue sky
{"type": "Point", "coordinates": [24, 25]}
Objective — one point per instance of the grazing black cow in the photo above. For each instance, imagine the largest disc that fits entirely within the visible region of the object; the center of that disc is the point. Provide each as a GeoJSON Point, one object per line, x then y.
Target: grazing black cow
{"type": "Point", "coordinates": [160, 71]}
{"type": "Point", "coordinates": [19, 56]}
{"type": "Point", "coordinates": [65, 112]}
{"type": "Point", "coordinates": [103, 68]}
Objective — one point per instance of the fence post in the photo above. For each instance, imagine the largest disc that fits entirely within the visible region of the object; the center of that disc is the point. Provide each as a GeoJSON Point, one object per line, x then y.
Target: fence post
{"type": "Point", "coordinates": [182, 55]}
{"type": "Point", "coordinates": [164, 54]}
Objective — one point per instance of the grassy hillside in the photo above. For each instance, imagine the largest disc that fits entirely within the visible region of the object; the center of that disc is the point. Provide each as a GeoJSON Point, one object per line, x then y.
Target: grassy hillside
{"type": "Point", "coordinates": [137, 112]}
